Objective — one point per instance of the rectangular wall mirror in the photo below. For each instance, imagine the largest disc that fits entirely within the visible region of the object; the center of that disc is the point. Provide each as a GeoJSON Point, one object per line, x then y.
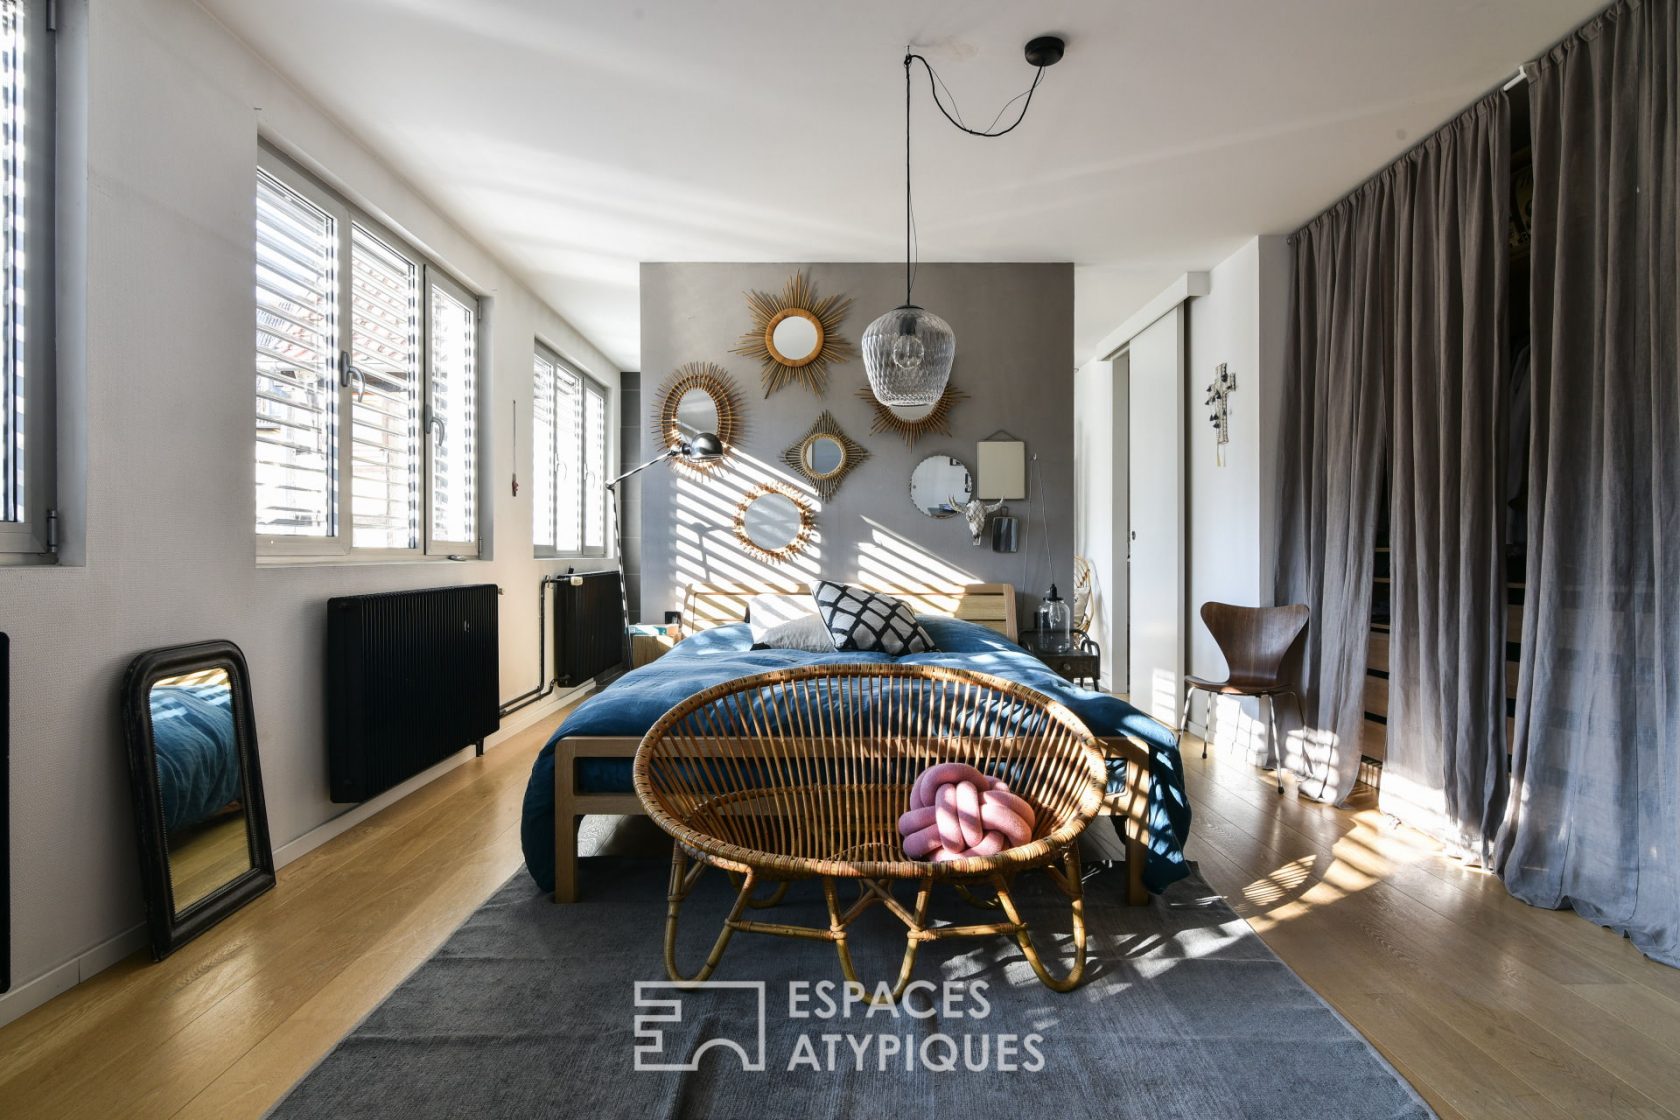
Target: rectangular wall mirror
{"type": "Point", "coordinates": [198, 797]}
{"type": "Point", "coordinates": [1001, 470]}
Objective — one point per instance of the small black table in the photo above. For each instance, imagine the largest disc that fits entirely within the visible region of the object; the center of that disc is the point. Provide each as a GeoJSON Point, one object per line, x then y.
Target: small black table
{"type": "Point", "coordinates": [1080, 663]}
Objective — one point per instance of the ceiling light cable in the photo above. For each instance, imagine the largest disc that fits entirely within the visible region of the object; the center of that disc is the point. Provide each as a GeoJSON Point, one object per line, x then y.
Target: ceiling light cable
{"type": "Point", "coordinates": [934, 82]}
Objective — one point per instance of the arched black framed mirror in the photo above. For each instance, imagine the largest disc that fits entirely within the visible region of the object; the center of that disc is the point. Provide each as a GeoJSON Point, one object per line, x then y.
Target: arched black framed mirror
{"type": "Point", "coordinates": [198, 795]}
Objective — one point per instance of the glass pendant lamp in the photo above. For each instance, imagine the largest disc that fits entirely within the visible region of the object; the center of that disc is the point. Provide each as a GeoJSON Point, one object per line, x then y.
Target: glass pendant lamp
{"type": "Point", "coordinates": [907, 352]}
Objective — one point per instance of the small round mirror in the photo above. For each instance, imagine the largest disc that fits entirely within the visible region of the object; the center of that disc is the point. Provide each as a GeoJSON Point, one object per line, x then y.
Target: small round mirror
{"type": "Point", "coordinates": [939, 481]}
{"type": "Point", "coordinates": [771, 521]}
{"type": "Point", "coordinates": [795, 337]}
{"type": "Point", "coordinates": [697, 412]}
{"type": "Point", "coordinates": [824, 456]}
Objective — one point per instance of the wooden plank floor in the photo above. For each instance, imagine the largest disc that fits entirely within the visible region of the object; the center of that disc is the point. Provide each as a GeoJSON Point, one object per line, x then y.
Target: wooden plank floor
{"type": "Point", "coordinates": [1489, 1007]}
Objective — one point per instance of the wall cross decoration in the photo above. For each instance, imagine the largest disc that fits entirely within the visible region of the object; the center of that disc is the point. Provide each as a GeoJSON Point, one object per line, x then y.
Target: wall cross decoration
{"type": "Point", "coordinates": [1219, 396]}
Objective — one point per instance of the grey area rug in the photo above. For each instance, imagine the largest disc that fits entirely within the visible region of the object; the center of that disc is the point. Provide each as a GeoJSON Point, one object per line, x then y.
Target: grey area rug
{"type": "Point", "coordinates": [529, 1011]}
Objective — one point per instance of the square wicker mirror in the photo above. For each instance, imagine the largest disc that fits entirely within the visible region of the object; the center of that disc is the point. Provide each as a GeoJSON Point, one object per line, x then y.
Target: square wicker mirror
{"type": "Point", "coordinates": [825, 455]}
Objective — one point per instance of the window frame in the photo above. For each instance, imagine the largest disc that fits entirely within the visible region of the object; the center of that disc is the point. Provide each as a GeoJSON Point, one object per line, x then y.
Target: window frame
{"type": "Point", "coordinates": [400, 247]}
{"type": "Point", "coordinates": [32, 537]}
{"type": "Point", "coordinates": [587, 385]}
{"type": "Point", "coordinates": [433, 276]}
{"type": "Point", "coordinates": [339, 545]}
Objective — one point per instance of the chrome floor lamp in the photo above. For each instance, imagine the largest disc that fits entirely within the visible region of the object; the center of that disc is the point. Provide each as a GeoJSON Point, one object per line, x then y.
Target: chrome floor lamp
{"type": "Point", "coordinates": [705, 447]}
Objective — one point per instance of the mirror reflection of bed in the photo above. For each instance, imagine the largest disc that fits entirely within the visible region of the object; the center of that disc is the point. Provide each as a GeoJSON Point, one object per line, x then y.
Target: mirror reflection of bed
{"type": "Point", "coordinates": [199, 783]}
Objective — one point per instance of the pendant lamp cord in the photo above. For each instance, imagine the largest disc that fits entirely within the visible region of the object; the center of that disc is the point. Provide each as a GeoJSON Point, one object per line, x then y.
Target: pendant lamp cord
{"type": "Point", "coordinates": [990, 132]}
{"type": "Point", "coordinates": [909, 282]}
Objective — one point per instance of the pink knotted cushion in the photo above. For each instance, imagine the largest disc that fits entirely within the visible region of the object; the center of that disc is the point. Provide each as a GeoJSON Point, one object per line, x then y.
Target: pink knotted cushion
{"type": "Point", "coordinates": [957, 812]}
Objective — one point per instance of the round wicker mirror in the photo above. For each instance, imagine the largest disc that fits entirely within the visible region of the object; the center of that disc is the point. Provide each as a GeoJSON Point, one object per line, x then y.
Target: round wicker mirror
{"type": "Point", "coordinates": [773, 523]}
{"type": "Point", "coordinates": [794, 337]}
{"type": "Point", "coordinates": [823, 456]}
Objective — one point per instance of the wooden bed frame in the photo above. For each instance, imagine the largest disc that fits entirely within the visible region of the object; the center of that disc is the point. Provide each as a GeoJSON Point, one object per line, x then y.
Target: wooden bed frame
{"type": "Point", "coordinates": [707, 605]}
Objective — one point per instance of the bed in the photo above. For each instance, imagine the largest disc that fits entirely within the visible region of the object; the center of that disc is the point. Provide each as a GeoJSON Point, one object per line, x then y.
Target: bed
{"type": "Point", "coordinates": [585, 766]}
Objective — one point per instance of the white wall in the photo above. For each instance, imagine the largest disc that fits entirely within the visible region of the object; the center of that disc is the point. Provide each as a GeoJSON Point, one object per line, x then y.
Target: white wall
{"type": "Point", "coordinates": [1099, 454]}
{"type": "Point", "coordinates": [1241, 322]}
{"type": "Point", "coordinates": [160, 114]}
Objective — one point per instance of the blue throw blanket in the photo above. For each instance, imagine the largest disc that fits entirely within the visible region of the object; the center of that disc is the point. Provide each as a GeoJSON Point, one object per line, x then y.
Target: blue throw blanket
{"type": "Point", "coordinates": [632, 704]}
{"type": "Point", "coordinates": [197, 758]}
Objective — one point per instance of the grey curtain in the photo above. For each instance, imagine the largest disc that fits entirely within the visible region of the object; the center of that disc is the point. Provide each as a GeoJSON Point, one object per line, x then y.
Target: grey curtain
{"type": "Point", "coordinates": [1333, 447]}
{"type": "Point", "coordinates": [1398, 348]}
{"type": "Point", "coordinates": [1594, 819]}
{"type": "Point", "coordinates": [1444, 768]}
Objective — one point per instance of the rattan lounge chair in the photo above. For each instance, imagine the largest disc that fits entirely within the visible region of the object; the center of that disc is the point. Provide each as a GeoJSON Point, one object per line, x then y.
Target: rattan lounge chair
{"type": "Point", "coordinates": [803, 773]}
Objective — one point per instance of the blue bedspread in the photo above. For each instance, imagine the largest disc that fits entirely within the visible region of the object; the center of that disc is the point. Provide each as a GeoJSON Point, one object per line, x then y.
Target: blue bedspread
{"type": "Point", "coordinates": [633, 703]}
{"type": "Point", "coordinates": [197, 758]}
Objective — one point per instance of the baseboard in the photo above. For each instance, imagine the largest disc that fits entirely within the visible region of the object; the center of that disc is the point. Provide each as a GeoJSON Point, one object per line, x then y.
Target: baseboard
{"type": "Point", "coordinates": [511, 726]}
{"type": "Point", "coordinates": [21, 1000]}
{"type": "Point", "coordinates": [61, 978]}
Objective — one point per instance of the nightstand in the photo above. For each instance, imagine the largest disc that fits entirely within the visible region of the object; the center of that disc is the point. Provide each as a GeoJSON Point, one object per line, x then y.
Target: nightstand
{"type": "Point", "coordinates": [649, 641]}
{"type": "Point", "coordinates": [1080, 663]}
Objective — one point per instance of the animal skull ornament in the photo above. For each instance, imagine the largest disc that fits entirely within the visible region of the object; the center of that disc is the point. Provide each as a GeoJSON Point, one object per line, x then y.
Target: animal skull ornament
{"type": "Point", "coordinates": [976, 512]}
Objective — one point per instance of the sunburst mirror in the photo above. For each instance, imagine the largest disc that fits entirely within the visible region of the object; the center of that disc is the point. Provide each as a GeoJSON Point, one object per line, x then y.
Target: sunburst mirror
{"type": "Point", "coordinates": [825, 455]}
{"type": "Point", "coordinates": [794, 335]}
{"type": "Point", "coordinates": [698, 397]}
{"type": "Point", "coordinates": [774, 522]}
{"type": "Point", "coordinates": [912, 423]}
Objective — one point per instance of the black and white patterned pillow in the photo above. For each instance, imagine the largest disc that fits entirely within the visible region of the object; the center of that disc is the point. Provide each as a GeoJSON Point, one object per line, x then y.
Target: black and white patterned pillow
{"type": "Point", "coordinates": [868, 620]}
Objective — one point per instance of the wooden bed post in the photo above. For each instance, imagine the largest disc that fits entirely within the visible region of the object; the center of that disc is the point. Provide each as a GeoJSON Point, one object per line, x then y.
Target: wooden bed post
{"type": "Point", "coordinates": [570, 806]}
{"type": "Point", "coordinates": [566, 819]}
{"type": "Point", "coordinates": [1132, 806]}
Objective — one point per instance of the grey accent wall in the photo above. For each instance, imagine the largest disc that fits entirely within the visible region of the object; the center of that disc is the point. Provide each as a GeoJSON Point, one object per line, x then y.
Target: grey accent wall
{"type": "Point", "coordinates": [1014, 327]}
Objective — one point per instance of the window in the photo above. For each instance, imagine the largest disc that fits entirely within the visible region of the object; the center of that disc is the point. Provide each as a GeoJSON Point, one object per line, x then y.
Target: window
{"type": "Point", "coordinates": [367, 383]}
{"type": "Point", "coordinates": [27, 519]}
{"type": "Point", "coordinates": [569, 461]}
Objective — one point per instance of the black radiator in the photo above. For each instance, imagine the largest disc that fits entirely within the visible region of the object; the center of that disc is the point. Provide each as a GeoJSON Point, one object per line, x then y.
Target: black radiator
{"type": "Point", "coordinates": [412, 677]}
{"type": "Point", "coordinates": [588, 626]}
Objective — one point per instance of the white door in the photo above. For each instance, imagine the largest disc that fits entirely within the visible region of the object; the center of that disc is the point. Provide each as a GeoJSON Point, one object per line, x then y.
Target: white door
{"type": "Point", "coordinates": [1155, 487]}
{"type": "Point", "coordinates": [1099, 504]}
{"type": "Point", "coordinates": [1118, 575]}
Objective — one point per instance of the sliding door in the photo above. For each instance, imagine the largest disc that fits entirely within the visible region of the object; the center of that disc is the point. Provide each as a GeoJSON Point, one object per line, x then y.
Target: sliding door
{"type": "Point", "coordinates": [1154, 395]}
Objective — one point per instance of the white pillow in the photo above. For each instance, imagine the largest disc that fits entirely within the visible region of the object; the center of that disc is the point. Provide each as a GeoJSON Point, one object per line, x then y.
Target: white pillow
{"type": "Point", "coordinates": [809, 633]}
{"type": "Point", "coordinates": [765, 612]}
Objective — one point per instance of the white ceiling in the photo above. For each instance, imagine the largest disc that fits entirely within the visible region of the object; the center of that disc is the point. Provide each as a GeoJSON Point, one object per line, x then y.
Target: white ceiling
{"type": "Point", "coordinates": [576, 138]}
